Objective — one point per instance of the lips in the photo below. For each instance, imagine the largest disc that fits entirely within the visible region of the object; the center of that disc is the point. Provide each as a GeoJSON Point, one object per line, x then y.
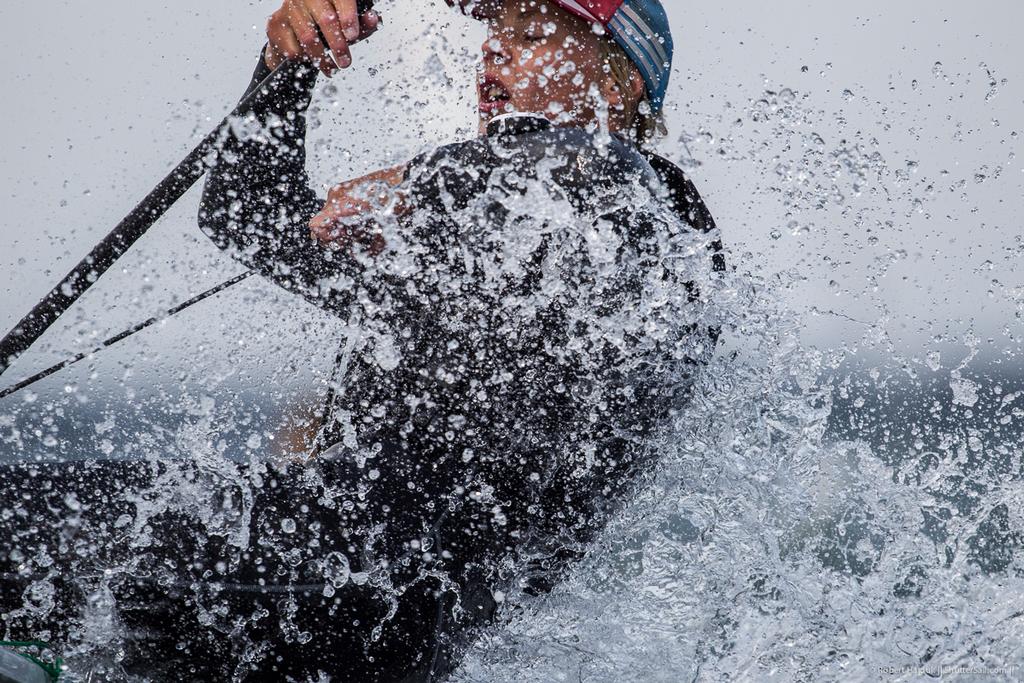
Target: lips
{"type": "Point", "coordinates": [494, 96]}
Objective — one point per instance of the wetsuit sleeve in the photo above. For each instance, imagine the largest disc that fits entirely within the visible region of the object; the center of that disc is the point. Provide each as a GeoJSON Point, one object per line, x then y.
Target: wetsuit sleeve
{"type": "Point", "coordinates": [257, 200]}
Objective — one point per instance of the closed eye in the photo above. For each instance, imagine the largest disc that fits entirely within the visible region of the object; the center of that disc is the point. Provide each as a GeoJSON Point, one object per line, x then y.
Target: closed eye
{"type": "Point", "coordinates": [535, 32]}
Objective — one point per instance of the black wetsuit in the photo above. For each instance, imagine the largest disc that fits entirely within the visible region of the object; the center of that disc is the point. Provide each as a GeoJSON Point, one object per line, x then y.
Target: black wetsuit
{"type": "Point", "coordinates": [486, 423]}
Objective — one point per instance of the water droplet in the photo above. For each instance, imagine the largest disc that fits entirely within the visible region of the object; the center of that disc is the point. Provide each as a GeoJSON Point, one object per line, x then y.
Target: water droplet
{"type": "Point", "coordinates": [965, 392]}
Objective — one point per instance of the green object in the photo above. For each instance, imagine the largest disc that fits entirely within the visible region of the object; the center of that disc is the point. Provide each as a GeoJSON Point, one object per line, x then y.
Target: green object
{"type": "Point", "coordinates": [24, 667]}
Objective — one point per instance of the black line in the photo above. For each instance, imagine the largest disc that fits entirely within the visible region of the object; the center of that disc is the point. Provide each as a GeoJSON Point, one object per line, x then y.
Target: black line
{"type": "Point", "coordinates": [133, 226]}
{"type": "Point", "coordinates": [125, 334]}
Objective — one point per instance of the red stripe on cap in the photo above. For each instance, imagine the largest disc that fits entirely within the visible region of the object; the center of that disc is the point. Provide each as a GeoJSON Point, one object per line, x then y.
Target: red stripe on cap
{"type": "Point", "coordinates": [592, 10]}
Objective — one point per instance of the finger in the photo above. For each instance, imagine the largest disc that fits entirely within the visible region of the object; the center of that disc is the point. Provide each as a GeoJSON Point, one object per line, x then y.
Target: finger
{"type": "Point", "coordinates": [376, 243]}
{"type": "Point", "coordinates": [330, 26]}
{"type": "Point", "coordinates": [280, 36]}
{"type": "Point", "coordinates": [320, 226]}
{"type": "Point", "coordinates": [341, 207]}
{"type": "Point", "coordinates": [320, 233]}
{"type": "Point", "coordinates": [332, 235]}
{"type": "Point", "coordinates": [289, 47]}
{"type": "Point", "coordinates": [320, 222]}
{"type": "Point", "coordinates": [368, 24]}
{"type": "Point", "coordinates": [272, 57]}
{"type": "Point", "coordinates": [305, 30]}
{"type": "Point", "coordinates": [348, 15]}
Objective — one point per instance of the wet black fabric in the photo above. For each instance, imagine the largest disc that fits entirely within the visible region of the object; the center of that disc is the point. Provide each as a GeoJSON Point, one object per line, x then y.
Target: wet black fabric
{"type": "Point", "coordinates": [269, 616]}
{"type": "Point", "coordinates": [488, 451]}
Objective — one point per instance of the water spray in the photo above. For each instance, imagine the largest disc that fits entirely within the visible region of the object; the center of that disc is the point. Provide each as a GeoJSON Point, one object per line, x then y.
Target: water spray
{"type": "Point", "coordinates": [131, 228]}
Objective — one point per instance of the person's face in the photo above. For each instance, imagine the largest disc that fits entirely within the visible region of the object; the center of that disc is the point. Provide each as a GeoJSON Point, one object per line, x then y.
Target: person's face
{"type": "Point", "coordinates": [539, 58]}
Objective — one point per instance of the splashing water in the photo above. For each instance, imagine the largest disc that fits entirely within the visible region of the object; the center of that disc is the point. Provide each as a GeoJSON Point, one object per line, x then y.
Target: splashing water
{"type": "Point", "coordinates": [767, 542]}
{"type": "Point", "coordinates": [846, 514]}
{"type": "Point", "coordinates": [808, 518]}
{"type": "Point", "coordinates": [769, 546]}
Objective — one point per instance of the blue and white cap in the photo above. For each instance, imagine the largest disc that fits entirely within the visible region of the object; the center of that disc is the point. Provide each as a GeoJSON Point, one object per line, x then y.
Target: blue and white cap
{"type": "Point", "coordinates": [641, 29]}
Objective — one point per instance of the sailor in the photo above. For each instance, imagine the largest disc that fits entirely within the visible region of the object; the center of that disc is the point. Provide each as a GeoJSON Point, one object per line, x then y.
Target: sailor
{"type": "Point", "coordinates": [529, 313]}
{"type": "Point", "coordinates": [497, 404]}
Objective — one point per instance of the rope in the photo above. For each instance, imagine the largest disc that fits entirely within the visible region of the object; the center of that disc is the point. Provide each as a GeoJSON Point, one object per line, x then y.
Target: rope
{"type": "Point", "coordinates": [124, 335]}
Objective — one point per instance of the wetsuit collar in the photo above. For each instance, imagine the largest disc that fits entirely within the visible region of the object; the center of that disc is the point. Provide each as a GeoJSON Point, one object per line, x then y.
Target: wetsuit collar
{"type": "Point", "coordinates": [517, 124]}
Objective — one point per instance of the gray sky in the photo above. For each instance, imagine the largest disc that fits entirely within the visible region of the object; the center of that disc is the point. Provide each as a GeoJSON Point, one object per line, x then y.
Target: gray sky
{"type": "Point", "coordinates": [102, 102]}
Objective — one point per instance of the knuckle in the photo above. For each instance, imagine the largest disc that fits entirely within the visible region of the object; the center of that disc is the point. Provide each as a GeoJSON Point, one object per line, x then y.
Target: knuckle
{"type": "Point", "coordinates": [348, 17]}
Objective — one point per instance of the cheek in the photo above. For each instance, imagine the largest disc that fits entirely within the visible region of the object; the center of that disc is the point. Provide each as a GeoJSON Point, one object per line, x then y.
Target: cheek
{"type": "Point", "coordinates": [564, 75]}
{"type": "Point", "coordinates": [545, 72]}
